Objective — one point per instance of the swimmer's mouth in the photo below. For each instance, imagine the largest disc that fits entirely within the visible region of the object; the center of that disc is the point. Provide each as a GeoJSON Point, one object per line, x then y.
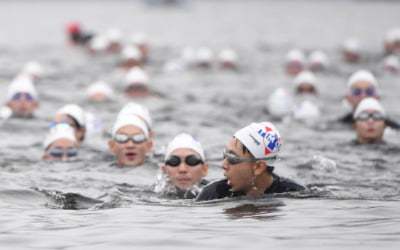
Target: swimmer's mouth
{"type": "Point", "coordinates": [130, 155]}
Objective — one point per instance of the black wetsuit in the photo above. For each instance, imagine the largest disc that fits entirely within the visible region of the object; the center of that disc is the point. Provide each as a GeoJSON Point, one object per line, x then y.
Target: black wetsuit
{"type": "Point", "coordinates": [220, 189]}
{"type": "Point", "coordinates": [348, 119]}
{"type": "Point", "coordinates": [81, 38]}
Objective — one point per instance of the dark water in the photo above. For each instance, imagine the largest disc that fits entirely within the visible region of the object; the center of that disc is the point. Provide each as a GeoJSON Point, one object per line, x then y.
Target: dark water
{"type": "Point", "coordinates": [353, 197]}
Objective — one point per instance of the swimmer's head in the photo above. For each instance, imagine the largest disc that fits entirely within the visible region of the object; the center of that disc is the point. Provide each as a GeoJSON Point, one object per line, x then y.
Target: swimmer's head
{"type": "Point", "coordinates": [369, 104]}
{"type": "Point", "coordinates": [60, 143]}
{"type": "Point", "coordinates": [261, 139]}
{"type": "Point", "coordinates": [305, 83]}
{"type": "Point", "coordinates": [136, 83]}
{"type": "Point", "coordinates": [139, 110]}
{"type": "Point", "coordinates": [362, 75]}
{"type": "Point", "coordinates": [99, 91]}
{"type": "Point", "coordinates": [184, 140]}
{"type": "Point", "coordinates": [22, 97]}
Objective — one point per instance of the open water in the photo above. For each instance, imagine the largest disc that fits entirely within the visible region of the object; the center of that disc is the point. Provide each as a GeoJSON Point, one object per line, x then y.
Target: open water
{"type": "Point", "coordinates": [353, 197]}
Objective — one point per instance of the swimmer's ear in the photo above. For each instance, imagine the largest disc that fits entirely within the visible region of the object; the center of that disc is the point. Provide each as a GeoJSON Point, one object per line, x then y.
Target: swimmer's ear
{"type": "Point", "coordinates": [353, 126]}
{"type": "Point", "coordinates": [45, 157]}
{"type": "Point", "coordinates": [111, 145]}
{"type": "Point", "coordinates": [149, 145]}
{"type": "Point", "coordinates": [260, 167]}
{"type": "Point", "coordinates": [204, 171]}
{"type": "Point", "coordinates": [164, 169]}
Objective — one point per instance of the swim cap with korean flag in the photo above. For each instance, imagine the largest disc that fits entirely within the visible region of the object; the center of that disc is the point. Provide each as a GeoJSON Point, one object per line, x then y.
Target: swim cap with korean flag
{"type": "Point", "coordinates": [261, 139]}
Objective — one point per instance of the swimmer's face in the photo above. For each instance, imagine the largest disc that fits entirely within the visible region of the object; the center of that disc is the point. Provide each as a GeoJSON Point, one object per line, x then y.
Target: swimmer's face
{"type": "Point", "coordinates": [137, 91]}
{"type": "Point", "coordinates": [98, 97]}
{"type": "Point", "coordinates": [306, 88]}
{"type": "Point", "coordinates": [294, 67]}
{"type": "Point", "coordinates": [130, 153]}
{"type": "Point", "coordinates": [61, 149]}
{"type": "Point", "coordinates": [79, 132]}
{"type": "Point", "coordinates": [241, 175]}
{"type": "Point", "coordinates": [22, 104]}
{"type": "Point", "coordinates": [369, 130]}
{"type": "Point", "coordinates": [359, 91]}
{"type": "Point", "coordinates": [184, 175]}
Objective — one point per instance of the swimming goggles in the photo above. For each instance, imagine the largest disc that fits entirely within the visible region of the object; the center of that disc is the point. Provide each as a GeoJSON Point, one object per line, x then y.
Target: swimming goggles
{"type": "Point", "coordinates": [310, 90]}
{"type": "Point", "coordinates": [18, 96]}
{"type": "Point", "coordinates": [136, 138]}
{"type": "Point", "coordinates": [59, 152]}
{"type": "Point", "coordinates": [368, 92]}
{"type": "Point", "coordinates": [53, 124]}
{"type": "Point", "coordinates": [190, 160]}
{"type": "Point", "coordinates": [234, 159]}
{"type": "Point", "coordinates": [376, 116]}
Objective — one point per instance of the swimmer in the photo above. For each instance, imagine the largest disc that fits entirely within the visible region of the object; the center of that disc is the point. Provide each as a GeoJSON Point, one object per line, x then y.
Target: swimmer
{"type": "Point", "coordinates": [76, 35]}
{"type": "Point", "coordinates": [131, 57]}
{"type": "Point", "coordinates": [99, 92]}
{"type": "Point", "coordinates": [352, 50]}
{"type": "Point", "coordinates": [140, 111]}
{"type": "Point", "coordinates": [318, 61]}
{"type": "Point", "coordinates": [369, 121]}
{"type": "Point", "coordinates": [185, 165]}
{"type": "Point", "coordinates": [60, 143]}
{"type": "Point", "coordinates": [114, 38]}
{"type": "Point", "coordinates": [22, 97]}
{"type": "Point", "coordinates": [391, 65]}
{"type": "Point", "coordinates": [305, 84]}
{"type": "Point", "coordinates": [130, 141]}
{"type": "Point", "coordinates": [74, 115]}
{"type": "Point", "coordinates": [204, 58]}
{"type": "Point", "coordinates": [136, 83]}
{"type": "Point", "coordinates": [294, 62]}
{"type": "Point", "coordinates": [362, 84]}
{"type": "Point", "coordinates": [228, 59]}
{"type": "Point", "coordinates": [140, 40]}
{"type": "Point", "coordinates": [247, 165]}
{"type": "Point", "coordinates": [33, 70]}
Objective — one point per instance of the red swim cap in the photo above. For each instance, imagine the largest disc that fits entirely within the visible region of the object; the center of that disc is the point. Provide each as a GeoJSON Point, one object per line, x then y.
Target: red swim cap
{"type": "Point", "coordinates": [72, 27]}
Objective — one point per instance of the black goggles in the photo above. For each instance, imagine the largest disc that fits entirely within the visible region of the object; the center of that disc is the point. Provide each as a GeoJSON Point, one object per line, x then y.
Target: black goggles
{"type": "Point", "coordinates": [365, 116]}
{"type": "Point", "coordinates": [190, 160]}
{"type": "Point", "coordinates": [136, 138]}
{"type": "Point", "coordinates": [234, 159]}
{"type": "Point", "coordinates": [59, 152]}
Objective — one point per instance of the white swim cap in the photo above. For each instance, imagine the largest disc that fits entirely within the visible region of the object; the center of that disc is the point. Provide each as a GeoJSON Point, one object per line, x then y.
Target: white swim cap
{"type": "Point", "coordinates": [100, 87]}
{"type": "Point", "coordinates": [98, 43]}
{"type": "Point", "coordinates": [261, 139]}
{"type": "Point", "coordinates": [130, 120]}
{"type": "Point", "coordinates": [306, 111]}
{"type": "Point", "coordinates": [114, 35]}
{"type": "Point", "coordinates": [318, 56]}
{"type": "Point", "coordinates": [75, 111]}
{"type": "Point", "coordinates": [305, 77]}
{"type": "Point", "coordinates": [138, 38]}
{"type": "Point", "coordinates": [59, 131]}
{"type": "Point", "coordinates": [184, 140]}
{"type": "Point", "coordinates": [369, 103]}
{"type": "Point", "coordinates": [204, 55]}
{"type": "Point", "coordinates": [362, 75]}
{"type": "Point", "coordinates": [280, 103]}
{"type": "Point", "coordinates": [131, 52]}
{"type": "Point", "coordinates": [22, 84]}
{"type": "Point", "coordinates": [5, 112]}
{"type": "Point", "coordinates": [33, 68]}
{"type": "Point", "coordinates": [295, 55]}
{"type": "Point", "coordinates": [353, 45]}
{"type": "Point", "coordinates": [133, 108]}
{"type": "Point", "coordinates": [136, 75]}
{"type": "Point", "coordinates": [392, 61]}
{"type": "Point", "coordinates": [228, 55]}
